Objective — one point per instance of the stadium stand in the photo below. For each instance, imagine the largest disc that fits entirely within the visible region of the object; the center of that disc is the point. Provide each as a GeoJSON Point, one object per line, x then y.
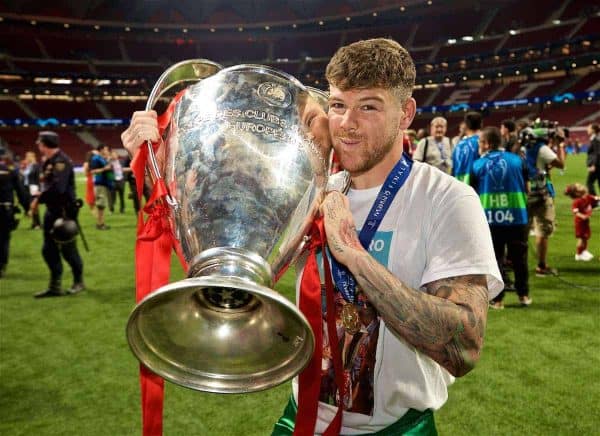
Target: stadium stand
{"type": "Point", "coordinates": [10, 109]}
{"type": "Point", "coordinates": [471, 55]}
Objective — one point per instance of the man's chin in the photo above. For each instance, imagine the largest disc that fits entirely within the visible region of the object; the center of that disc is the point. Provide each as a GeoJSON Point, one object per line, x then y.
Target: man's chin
{"type": "Point", "coordinates": [355, 169]}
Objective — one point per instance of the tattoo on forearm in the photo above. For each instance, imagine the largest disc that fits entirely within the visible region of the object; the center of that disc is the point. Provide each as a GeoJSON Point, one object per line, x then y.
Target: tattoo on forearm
{"type": "Point", "coordinates": [348, 234]}
{"type": "Point", "coordinates": [334, 244]}
{"type": "Point", "coordinates": [447, 322]}
{"type": "Point", "coordinates": [332, 210]}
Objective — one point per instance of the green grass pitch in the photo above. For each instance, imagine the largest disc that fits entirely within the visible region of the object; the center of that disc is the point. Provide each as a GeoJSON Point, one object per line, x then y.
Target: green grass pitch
{"type": "Point", "coordinates": [66, 369]}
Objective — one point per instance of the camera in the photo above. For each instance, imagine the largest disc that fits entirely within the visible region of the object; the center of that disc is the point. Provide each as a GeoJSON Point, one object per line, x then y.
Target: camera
{"type": "Point", "coordinates": [542, 131]}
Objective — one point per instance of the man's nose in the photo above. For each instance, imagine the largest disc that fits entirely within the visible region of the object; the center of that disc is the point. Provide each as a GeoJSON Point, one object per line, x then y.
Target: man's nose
{"type": "Point", "coordinates": [349, 120]}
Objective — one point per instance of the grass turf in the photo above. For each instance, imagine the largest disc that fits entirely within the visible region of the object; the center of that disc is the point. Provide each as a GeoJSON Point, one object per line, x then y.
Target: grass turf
{"type": "Point", "coordinates": [66, 369]}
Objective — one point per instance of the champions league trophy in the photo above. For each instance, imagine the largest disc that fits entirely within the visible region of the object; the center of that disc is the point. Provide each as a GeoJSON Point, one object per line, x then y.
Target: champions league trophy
{"type": "Point", "coordinates": [242, 174]}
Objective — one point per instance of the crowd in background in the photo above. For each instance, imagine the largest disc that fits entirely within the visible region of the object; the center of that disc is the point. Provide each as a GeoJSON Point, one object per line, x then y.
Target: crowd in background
{"type": "Point", "coordinates": [509, 166]}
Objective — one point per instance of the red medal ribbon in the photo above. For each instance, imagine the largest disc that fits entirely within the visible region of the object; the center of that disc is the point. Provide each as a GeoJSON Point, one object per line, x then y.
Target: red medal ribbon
{"type": "Point", "coordinates": [310, 305]}
{"type": "Point", "coordinates": [336, 424]}
{"type": "Point", "coordinates": [155, 240]}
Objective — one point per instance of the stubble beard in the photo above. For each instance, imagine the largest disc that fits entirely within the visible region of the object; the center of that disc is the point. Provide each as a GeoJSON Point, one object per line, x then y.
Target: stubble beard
{"type": "Point", "coordinates": [368, 155]}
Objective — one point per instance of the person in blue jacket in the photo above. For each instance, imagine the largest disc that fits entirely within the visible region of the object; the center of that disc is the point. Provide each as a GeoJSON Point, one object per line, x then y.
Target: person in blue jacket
{"type": "Point", "coordinates": [499, 177]}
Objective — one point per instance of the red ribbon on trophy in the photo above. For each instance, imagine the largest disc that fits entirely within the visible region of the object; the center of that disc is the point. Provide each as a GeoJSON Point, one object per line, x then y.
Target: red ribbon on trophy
{"type": "Point", "coordinates": [155, 241]}
{"type": "Point", "coordinates": [309, 380]}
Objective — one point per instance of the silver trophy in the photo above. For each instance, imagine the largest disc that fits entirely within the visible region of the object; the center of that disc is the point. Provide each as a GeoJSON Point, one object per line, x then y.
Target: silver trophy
{"type": "Point", "coordinates": [243, 175]}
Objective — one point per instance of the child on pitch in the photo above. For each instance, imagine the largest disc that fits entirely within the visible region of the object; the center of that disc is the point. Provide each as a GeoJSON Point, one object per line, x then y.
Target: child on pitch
{"type": "Point", "coordinates": [583, 204]}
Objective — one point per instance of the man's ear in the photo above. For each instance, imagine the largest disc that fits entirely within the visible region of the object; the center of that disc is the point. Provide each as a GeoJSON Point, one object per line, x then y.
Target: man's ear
{"type": "Point", "coordinates": [409, 111]}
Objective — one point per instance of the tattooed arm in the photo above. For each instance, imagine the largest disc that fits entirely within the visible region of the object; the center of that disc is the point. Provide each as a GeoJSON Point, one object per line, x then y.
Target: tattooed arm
{"type": "Point", "coordinates": [446, 323]}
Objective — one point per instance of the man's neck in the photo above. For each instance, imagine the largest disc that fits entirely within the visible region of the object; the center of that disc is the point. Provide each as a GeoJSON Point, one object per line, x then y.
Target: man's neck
{"type": "Point", "coordinates": [472, 132]}
{"type": "Point", "coordinates": [377, 175]}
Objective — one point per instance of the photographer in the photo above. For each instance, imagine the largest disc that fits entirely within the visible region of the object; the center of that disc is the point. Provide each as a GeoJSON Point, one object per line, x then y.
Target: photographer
{"type": "Point", "coordinates": [540, 201]}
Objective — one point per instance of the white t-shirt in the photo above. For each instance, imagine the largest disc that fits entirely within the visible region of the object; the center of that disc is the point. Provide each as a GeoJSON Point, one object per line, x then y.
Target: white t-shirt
{"type": "Point", "coordinates": [545, 157]}
{"type": "Point", "coordinates": [435, 228]}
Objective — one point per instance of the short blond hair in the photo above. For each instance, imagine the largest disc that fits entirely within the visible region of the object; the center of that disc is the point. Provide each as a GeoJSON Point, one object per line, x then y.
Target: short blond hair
{"type": "Point", "coordinates": [373, 63]}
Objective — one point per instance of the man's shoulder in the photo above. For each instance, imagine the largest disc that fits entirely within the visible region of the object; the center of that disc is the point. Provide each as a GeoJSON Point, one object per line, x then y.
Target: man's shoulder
{"type": "Point", "coordinates": [546, 154]}
{"type": "Point", "coordinates": [513, 158]}
{"type": "Point", "coordinates": [436, 186]}
{"type": "Point", "coordinates": [61, 156]}
{"type": "Point", "coordinates": [468, 141]}
{"type": "Point", "coordinates": [461, 143]}
{"type": "Point", "coordinates": [97, 160]}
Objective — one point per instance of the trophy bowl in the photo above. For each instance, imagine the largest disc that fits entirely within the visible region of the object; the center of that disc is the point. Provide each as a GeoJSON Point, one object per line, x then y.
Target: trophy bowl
{"type": "Point", "coordinates": [243, 174]}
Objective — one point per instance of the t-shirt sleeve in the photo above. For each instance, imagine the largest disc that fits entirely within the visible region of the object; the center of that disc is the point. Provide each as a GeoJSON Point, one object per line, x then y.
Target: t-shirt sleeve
{"type": "Point", "coordinates": [546, 155]}
{"type": "Point", "coordinates": [459, 243]}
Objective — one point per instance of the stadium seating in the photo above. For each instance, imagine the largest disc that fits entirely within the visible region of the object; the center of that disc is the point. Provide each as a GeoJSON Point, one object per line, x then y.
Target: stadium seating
{"type": "Point", "coordinates": [558, 34]}
{"type": "Point", "coordinates": [22, 140]}
{"type": "Point", "coordinates": [10, 109]}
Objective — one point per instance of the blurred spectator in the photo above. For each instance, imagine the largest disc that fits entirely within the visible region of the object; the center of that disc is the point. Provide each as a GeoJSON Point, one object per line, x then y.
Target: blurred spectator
{"type": "Point", "coordinates": [31, 182]}
{"type": "Point", "coordinates": [132, 188]}
{"type": "Point", "coordinates": [509, 137]}
{"type": "Point", "coordinates": [593, 158]}
{"type": "Point", "coordinates": [436, 149]}
{"type": "Point", "coordinates": [9, 186]}
{"type": "Point", "coordinates": [462, 129]}
{"type": "Point", "coordinates": [520, 125]}
{"type": "Point", "coordinates": [102, 171]}
{"type": "Point", "coordinates": [119, 183]}
{"type": "Point", "coordinates": [90, 197]}
{"type": "Point", "coordinates": [467, 150]}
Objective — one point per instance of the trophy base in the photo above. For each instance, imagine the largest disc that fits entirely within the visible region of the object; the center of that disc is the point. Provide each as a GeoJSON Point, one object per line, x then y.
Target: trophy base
{"type": "Point", "coordinates": [221, 333]}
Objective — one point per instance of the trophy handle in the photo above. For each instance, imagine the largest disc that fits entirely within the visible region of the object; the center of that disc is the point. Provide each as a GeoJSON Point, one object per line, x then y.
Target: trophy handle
{"type": "Point", "coordinates": [191, 70]}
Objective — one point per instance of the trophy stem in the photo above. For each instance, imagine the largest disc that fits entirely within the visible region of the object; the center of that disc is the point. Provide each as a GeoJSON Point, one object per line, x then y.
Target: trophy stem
{"type": "Point", "coordinates": [225, 263]}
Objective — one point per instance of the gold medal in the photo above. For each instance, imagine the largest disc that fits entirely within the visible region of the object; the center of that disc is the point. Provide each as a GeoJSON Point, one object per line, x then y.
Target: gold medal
{"type": "Point", "coordinates": [350, 319]}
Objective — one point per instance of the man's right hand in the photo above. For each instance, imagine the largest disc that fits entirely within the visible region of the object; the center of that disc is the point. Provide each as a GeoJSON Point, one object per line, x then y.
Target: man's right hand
{"type": "Point", "coordinates": [143, 127]}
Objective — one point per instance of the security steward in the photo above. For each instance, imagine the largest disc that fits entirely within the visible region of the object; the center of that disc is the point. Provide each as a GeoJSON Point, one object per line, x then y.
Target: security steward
{"type": "Point", "coordinates": [58, 194]}
{"type": "Point", "coordinates": [9, 186]}
{"type": "Point", "coordinates": [499, 177]}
